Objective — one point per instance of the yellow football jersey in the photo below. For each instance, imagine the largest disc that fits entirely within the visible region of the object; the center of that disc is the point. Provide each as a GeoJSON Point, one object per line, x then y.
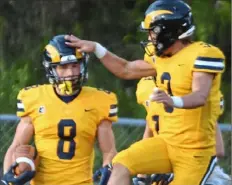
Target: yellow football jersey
{"type": "Point", "coordinates": [190, 128]}
{"type": "Point", "coordinates": [65, 132]}
{"type": "Point", "coordinates": [153, 117]}
{"type": "Point", "coordinates": [144, 90]}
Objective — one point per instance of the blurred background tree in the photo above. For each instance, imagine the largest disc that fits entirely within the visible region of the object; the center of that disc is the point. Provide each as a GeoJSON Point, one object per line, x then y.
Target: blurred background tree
{"type": "Point", "coordinates": [26, 26]}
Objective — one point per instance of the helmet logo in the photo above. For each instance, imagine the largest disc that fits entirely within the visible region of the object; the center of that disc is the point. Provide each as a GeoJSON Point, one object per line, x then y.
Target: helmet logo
{"type": "Point", "coordinates": [42, 109]}
{"type": "Point", "coordinates": [68, 58]}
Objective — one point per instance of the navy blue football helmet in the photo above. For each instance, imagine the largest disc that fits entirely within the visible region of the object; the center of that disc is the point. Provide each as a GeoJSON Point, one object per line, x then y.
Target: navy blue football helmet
{"type": "Point", "coordinates": [58, 53]}
{"type": "Point", "coordinates": [169, 20]}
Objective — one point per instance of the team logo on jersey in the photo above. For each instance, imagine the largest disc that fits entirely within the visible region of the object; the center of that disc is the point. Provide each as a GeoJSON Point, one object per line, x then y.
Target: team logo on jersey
{"type": "Point", "coordinates": [42, 109]}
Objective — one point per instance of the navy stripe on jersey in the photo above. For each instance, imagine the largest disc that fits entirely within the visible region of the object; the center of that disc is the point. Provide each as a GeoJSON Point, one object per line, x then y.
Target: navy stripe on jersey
{"type": "Point", "coordinates": [20, 110]}
{"type": "Point", "coordinates": [208, 67]}
{"type": "Point", "coordinates": [20, 106]}
{"type": "Point", "coordinates": [113, 110]}
{"type": "Point", "coordinates": [113, 106]}
{"type": "Point", "coordinates": [19, 101]}
{"type": "Point", "coordinates": [209, 63]}
{"type": "Point", "coordinates": [209, 170]}
{"type": "Point", "coordinates": [221, 103]}
{"type": "Point", "coordinates": [209, 59]}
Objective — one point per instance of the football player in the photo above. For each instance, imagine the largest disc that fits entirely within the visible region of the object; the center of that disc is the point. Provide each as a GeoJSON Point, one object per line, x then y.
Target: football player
{"type": "Point", "coordinates": [144, 89]}
{"type": "Point", "coordinates": [188, 77]}
{"type": "Point", "coordinates": [65, 118]}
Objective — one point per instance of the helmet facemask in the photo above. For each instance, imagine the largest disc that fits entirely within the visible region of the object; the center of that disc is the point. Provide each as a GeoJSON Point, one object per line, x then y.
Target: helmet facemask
{"type": "Point", "coordinates": [148, 47]}
{"type": "Point", "coordinates": [71, 84]}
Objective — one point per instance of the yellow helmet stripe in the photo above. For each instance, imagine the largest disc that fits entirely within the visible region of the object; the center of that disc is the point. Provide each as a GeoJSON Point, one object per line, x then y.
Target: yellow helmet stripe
{"type": "Point", "coordinates": [151, 17]}
{"type": "Point", "coordinates": [55, 56]}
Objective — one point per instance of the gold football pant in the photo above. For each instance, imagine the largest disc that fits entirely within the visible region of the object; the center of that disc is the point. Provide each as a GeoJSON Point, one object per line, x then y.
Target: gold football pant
{"type": "Point", "coordinates": [154, 155]}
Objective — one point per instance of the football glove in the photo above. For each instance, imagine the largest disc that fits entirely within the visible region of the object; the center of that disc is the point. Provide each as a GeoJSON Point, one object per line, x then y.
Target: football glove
{"type": "Point", "coordinates": [139, 181]}
{"type": "Point", "coordinates": [9, 177]}
{"type": "Point", "coordinates": [103, 174]}
{"type": "Point", "coordinates": [162, 179]}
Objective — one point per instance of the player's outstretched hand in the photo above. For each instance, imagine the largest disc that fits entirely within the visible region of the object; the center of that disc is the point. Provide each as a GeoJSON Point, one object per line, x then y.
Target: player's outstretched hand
{"type": "Point", "coordinates": [139, 181]}
{"type": "Point", "coordinates": [81, 45]}
{"type": "Point", "coordinates": [162, 179]}
{"type": "Point", "coordinates": [103, 174]}
{"type": "Point", "coordinates": [9, 177]}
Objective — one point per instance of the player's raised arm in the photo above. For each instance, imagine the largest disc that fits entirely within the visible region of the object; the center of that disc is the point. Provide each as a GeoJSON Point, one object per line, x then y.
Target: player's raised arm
{"type": "Point", "coordinates": [118, 66]}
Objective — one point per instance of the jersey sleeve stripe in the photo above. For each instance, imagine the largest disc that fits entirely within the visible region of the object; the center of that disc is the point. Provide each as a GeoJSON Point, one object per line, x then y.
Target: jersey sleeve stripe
{"type": "Point", "coordinates": [208, 67]}
{"type": "Point", "coordinates": [20, 106]}
{"type": "Point", "coordinates": [209, 59]}
{"type": "Point", "coordinates": [112, 115]}
{"type": "Point", "coordinates": [209, 63]}
{"type": "Point", "coordinates": [113, 106]}
{"type": "Point", "coordinates": [19, 101]}
{"type": "Point", "coordinates": [20, 110]}
{"type": "Point", "coordinates": [113, 110]}
{"type": "Point", "coordinates": [222, 103]}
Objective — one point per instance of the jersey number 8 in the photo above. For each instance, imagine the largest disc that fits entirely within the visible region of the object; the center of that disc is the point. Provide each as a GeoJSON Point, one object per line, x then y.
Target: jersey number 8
{"type": "Point", "coordinates": [71, 126]}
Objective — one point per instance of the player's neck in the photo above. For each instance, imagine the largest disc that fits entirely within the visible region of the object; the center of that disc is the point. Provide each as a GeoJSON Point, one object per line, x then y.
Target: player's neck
{"type": "Point", "coordinates": [176, 47]}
